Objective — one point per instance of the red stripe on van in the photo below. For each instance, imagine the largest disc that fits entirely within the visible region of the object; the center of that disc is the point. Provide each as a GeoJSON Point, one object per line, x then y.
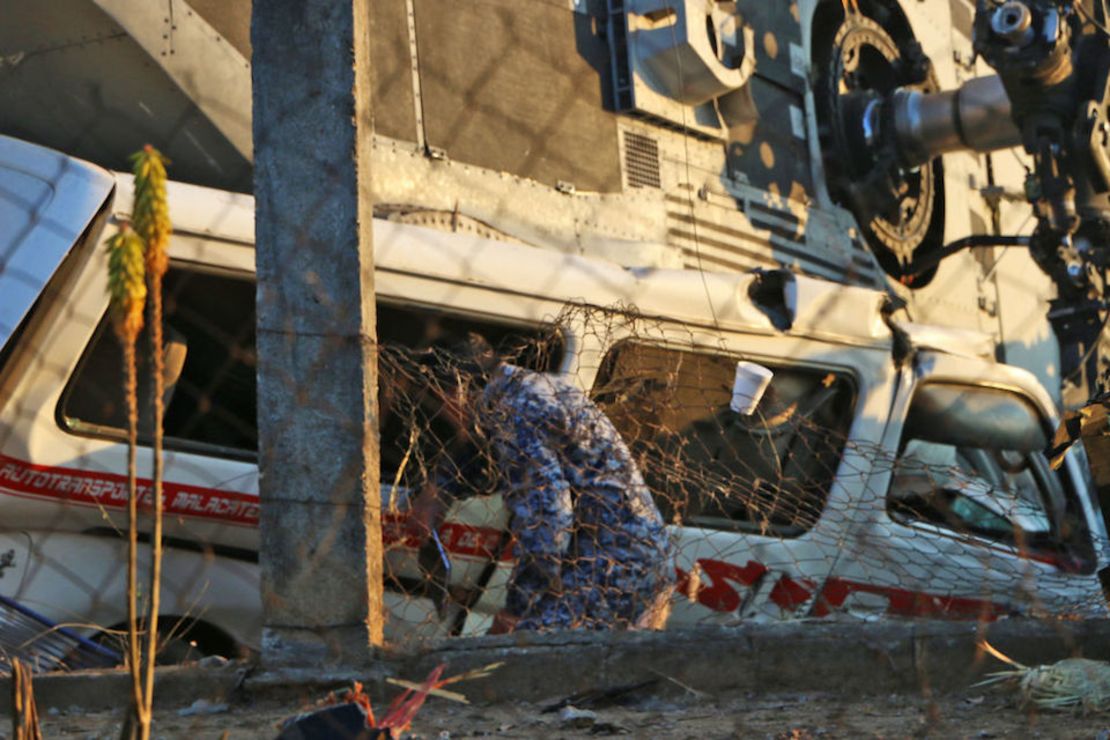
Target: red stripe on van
{"type": "Point", "coordinates": [109, 490]}
{"type": "Point", "coordinates": [903, 603]}
{"type": "Point", "coordinates": [721, 594]}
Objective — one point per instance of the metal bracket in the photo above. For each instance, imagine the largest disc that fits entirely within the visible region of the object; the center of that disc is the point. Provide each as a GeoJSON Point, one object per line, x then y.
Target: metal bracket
{"type": "Point", "coordinates": [566, 188]}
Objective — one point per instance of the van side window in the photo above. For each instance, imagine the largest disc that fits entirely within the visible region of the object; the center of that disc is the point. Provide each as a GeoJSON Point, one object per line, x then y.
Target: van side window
{"type": "Point", "coordinates": [707, 465]}
{"type": "Point", "coordinates": [416, 441]}
{"type": "Point", "coordinates": [210, 368]}
{"type": "Point", "coordinates": [971, 460]}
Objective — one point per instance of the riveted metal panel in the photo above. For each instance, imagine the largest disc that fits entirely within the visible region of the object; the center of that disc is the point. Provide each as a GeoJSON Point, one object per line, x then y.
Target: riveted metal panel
{"type": "Point", "coordinates": [72, 79]}
{"type": "Point", "coordinates": [391, 65]}
{"type": "Point", "coordinates": [393, 89]}
{"type": "Point", "coordinates": [231, 18]}
{"type": "Point", "coordinates": [779, 54]}
{"type": "Point", "coordinates": [772, 153]}
{"type": "Point", "coordinates": [517, 86]}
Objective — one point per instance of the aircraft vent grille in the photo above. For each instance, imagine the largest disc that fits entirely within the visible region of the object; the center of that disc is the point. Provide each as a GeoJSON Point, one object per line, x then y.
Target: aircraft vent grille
{"type": "Point", "coordinates": [726, 232]}
{"type": "Point", "coordinates": [641, 161]}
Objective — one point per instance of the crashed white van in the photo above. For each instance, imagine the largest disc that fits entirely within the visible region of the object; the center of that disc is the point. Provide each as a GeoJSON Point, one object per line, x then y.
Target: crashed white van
{"type": "Point", "coordinates": [900, 473]}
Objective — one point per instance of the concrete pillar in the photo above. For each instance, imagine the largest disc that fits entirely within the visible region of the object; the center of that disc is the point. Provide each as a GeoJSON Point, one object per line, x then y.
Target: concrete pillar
{"type": "Point", "coordinates": [321, 549]}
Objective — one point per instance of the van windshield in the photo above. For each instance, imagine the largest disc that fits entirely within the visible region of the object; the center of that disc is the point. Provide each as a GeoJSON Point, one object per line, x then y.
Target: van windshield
{"type": "Point", "coordinates": [971, 461]}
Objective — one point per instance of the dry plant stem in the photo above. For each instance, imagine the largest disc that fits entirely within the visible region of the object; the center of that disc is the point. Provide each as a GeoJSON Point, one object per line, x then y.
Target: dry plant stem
{"type": "Point", "coordinates": [25, 714]}
{"type": "Point", "coordinates": [127, 293]}
{"type": "Point", "coordinates": [150, 212]}
{"type": "Point", "coordinates": [133, 649]}
{"type": "Point", "coordinates": [155, 292]}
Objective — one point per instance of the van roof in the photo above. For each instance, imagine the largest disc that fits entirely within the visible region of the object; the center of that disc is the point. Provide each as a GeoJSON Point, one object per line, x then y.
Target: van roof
{"type": "Point", "coordinates": [47, 200]}
{"type": "Point", "coordinates": [70, 192]}
{"type": "Point", "coordinates": [818, 308]}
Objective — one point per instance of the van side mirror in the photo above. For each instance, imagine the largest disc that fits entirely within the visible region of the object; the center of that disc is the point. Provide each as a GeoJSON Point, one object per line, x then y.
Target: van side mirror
{"type": "Point", "coordinates": [748, 387]}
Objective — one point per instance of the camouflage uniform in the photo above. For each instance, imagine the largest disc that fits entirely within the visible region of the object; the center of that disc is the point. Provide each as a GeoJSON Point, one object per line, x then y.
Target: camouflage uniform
{"type": "Point", "coordinates": [592, 551]}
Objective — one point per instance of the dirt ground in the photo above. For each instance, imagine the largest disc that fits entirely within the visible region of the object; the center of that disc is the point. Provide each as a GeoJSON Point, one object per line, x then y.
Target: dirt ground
{"type": "Point", "coordinates": [787, 716]}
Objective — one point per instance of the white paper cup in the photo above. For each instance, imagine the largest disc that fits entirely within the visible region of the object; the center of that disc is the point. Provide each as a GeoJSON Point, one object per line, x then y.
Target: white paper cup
{"type": "Point", "coordinates": [748, 387]}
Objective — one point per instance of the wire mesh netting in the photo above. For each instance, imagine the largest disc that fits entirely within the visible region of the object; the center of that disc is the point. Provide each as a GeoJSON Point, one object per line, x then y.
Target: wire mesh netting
{"type": "Point", "coordinates": [782, 514]}
{"type": "Point", "coordinates": [794, 511]}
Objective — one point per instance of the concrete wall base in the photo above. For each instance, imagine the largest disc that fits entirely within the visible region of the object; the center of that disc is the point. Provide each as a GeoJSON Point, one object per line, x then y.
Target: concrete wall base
{"type": "Point", "coordinates": [852, 659]}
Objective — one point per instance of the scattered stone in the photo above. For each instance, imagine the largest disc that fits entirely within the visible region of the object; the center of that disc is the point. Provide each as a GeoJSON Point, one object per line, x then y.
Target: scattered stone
{"type": "Point", "coordinates": [337, 722]}
{"type": "Point", "coordinates": [201, 706]}
{"type": "Point", "coordinates": [572, 716]}
{"type": "Point", "coordinates": [213, 661]}
{"type": "Point", "coordinates": [598, 698]}
{"type": "Point", "coordinates": [608, 728]}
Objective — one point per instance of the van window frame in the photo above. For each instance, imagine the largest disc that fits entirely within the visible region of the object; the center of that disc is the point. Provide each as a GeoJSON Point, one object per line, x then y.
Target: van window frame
{"type": "Point", "coordinates": [842, 372]}
{"type": "Point", "coordinates": [70, 267]}
{"type": "Point", "coordinates": [1084, 563]}
{"type": "Point", "coordinates": [178, 444]}
{"type": "Point", "coordinates": [89, 430]}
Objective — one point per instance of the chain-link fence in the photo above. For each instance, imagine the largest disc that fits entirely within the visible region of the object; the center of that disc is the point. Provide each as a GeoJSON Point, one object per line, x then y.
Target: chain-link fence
{"type": "Point", "coordinates": [778, 514]}
{"type": "Point", "coordinates": [794, 511]}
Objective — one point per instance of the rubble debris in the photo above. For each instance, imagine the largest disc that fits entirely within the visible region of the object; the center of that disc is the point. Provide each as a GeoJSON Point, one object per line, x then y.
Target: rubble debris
{"type": "Point", "coordinates": [1072, 683]}
{"type": "Point", "coordinates": [598, 698]}
{"type": "Point", "coordinates": [44, 646]}
{"type": "Point", "coordinates": [609, 728]}
{"type": "Point", "coordinates": [213, 661]}
{"type": "Point", "coordinates": [572, 716]}
{"type": "Point", "coordinates": [350, 715]}
{"type": "Point", "coordinates": [341, 721]}
{"type": "Point", "coordinates": [202, 706]}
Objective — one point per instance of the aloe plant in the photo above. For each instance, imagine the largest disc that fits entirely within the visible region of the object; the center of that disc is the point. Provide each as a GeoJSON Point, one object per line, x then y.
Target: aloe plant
{"type": "Point", "coordinates": [150, 214]}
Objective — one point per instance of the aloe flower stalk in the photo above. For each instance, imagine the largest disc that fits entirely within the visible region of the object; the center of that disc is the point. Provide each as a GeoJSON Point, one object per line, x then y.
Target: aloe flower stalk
{"type": "Point", "coordinates": [127, 297]}
{"type": "Point", "coordinates": [150, 213]}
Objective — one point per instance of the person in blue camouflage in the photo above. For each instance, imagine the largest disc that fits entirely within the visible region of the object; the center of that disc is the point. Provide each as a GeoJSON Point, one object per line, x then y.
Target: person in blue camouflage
{"type": "Point", "coordinates": [591, 548]}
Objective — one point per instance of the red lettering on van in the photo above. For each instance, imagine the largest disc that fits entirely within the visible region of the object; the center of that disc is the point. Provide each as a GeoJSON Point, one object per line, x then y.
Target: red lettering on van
{"type": "Point", "coordinates": [92, 488]}
{"type": "Point", "coordinates": [458, 539]}
{"type": "Point", "coordinates": [720, 595]}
